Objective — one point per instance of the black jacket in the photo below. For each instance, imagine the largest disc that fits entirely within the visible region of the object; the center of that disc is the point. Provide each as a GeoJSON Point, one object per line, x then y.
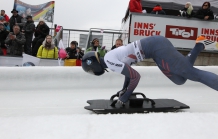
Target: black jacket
{"type": "Point", "coordinates": [29, 28]}
{"type": "Point", "coordinates": [73, 53]}
{"type": "Point", "coordinates": [41, 31]}
{"type": "Point", "coordinates": [16, 46]}
{"type": "Point", "coordinates": [201, 13]}
{"type": "Point", "coordinates": [15, 19]}
{"type": "Point", "coordinates": [3, 36]}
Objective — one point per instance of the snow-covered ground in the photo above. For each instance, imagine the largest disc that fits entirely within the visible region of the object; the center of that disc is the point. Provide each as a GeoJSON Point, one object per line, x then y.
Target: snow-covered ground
{"type": "Point", "coordinates": [48, 103]}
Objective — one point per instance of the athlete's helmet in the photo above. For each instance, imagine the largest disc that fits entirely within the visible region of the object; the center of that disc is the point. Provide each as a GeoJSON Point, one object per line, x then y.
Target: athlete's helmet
{"type": "Point", "coordinates": [91, 63]}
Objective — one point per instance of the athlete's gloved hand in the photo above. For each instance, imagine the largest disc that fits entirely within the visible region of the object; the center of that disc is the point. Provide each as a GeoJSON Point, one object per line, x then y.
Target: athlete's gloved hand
{"type": "Point", "coordinates": [120, 104]}
{"type": "Point", "coordinates": [103, 47]}
{"type": "Point", "coordinates": [144, 11]}
{"type": "Point", "coordinates": [121, 92]}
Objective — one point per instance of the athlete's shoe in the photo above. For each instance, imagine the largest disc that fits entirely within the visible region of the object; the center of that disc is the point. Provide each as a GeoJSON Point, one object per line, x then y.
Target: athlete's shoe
{"type": "Point", "coordinates": [208, 45]}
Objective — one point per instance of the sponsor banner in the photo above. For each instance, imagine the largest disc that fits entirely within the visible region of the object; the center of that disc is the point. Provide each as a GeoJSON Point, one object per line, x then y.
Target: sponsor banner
{"type": "Point", "coordinates": [181, 32]}
{"type": "Point", "coordinates": [19, 61]}
{"type": "Point", "coordinates": [43, 11]}
{"type": "Point", "coordinates": [29, 60]}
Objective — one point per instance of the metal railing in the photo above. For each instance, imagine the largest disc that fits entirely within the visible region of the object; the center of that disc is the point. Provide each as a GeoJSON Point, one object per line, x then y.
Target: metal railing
{"type": "Point", "coordinates": [107, 37]}
{"type": "Point", "coordinates": [84, 37]}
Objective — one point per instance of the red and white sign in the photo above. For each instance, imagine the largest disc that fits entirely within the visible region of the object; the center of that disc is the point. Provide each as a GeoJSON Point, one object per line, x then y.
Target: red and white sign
{"type": "Point", "coordinates": [145, 29]}
{"type": "Point", "coordinates": [210, 34]}
{"type": "Point", "coordinates": [182, 32]}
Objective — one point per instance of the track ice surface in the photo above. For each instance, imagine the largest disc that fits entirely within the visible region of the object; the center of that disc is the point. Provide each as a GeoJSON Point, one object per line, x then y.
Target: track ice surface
{"type": "Point", "coordinates": [48, 103]}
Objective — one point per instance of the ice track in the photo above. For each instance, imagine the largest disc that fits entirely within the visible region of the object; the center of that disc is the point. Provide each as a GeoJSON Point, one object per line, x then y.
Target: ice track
{"type": "Point", "coordinates": [48, 102]}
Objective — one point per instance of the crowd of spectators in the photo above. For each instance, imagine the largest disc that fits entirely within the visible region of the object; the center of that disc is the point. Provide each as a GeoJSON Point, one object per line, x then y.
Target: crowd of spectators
{"type": "Point", "coordinates": [204, 12]}
{"type": "Point", "coordinates": [16, 34]}
{"type": "Point", "coordinates": [19, 34]}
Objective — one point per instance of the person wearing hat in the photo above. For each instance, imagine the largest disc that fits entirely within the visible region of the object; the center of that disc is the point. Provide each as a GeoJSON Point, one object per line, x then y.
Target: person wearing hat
{"type": "Point", "coordinates": [41, 31]}
{"type": "Point", "coordinates": [95, 46]}
{"type": "Point", "coordinates": [158, 10]}
{"type": "Point", "coordinates": [15, 19]}
{"type": "Point", "coordinates": [28, 30]}
{"type": "Point", "coordinates": [3, 36]}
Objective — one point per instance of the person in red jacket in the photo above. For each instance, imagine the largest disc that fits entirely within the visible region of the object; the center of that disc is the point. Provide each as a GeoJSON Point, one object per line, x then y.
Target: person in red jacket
{"type": "Point", "coordinates": [135, 6]}
{"type": "Point", "coordinates": [4, 15]}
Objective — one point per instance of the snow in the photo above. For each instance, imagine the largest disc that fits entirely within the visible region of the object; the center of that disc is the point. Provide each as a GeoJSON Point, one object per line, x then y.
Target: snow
{"type": "Point", "coordinates": [48, 103]}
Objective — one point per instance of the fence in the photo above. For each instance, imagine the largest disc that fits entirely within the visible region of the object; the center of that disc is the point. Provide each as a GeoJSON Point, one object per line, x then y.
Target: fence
{"type": "Point", "coordinates": [107, 37]}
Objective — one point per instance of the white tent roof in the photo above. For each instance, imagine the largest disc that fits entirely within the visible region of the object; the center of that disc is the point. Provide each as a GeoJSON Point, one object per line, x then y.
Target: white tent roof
{"type": "Point", "coordinates": [178, 4]}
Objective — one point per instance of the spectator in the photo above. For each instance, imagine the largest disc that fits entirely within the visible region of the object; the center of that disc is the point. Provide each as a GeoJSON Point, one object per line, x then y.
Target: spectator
{"type": "Point", "coordinates": [73, 51]}
{"type": "Point", "coordinates": [96, 47]}
{"type": "Point", "coordinates": [3, 36]}
{"type": "Point", "coordinates": [16, 40]}
{"type": "Point", "coordinates": [187, 11]}
{"type": "Point", "coordinates": [48, 49]}
{"type": "Point", "coordinates": [204, 12]}
{"type": "Point", "coordinates": [5, 16]}
{"type": "Point", "coordinates": [41, 31]}
{"type": "Point", "coordinates": [16, 19]}
{"type": "Point", "coordinates": [158, 10]}
{"type": "Point", "coordinates": [28, 30]}
{"type": "Point", "coordinates": [6, 24]}
{"type": "Point", "coordinates": [119, 42]}
{"type": "Point", "coordinates": [135, 6]}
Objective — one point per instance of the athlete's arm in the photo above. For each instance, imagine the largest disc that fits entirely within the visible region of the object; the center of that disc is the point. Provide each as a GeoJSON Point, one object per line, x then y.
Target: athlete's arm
{"type": "Point", "coordinates": [126, 82]}
{"type": "Point", "coordinates": [132, 78]}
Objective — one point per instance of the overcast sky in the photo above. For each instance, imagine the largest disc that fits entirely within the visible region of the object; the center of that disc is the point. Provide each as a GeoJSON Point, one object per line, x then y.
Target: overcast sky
{"type": "Point", "coordinates": [82, 14]}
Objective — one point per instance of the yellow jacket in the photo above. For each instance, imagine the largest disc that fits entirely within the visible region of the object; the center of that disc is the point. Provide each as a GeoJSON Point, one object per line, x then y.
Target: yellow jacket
{"type": "Point", "coordinates": [47, 53]}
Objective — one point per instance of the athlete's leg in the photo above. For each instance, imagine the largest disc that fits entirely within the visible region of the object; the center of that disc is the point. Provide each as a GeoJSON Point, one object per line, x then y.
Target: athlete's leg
{"type": "Point", "coordinates": [177, 67]}
{"type": "Point", "coordinates": [166, 57]}
{"type": "Point", "coordinates": [165, 68]}
{"type": "Point", "coordinates": [192, 55]}
{"type": "Point", "coordinates": [205, 77]}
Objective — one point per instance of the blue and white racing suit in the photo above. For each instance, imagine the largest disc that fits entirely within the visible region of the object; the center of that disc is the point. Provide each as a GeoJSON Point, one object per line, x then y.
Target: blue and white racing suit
{"type": "Point", "coordinates": [177, 67]}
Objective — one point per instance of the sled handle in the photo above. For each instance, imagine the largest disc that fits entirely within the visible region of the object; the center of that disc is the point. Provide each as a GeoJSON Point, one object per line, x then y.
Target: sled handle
{"type": "Point", "coordinates": [138, 93]}
{"type": "Point", "coordinates": [152, 101]}
{"type": "Point", "coordinates": [112, 97]}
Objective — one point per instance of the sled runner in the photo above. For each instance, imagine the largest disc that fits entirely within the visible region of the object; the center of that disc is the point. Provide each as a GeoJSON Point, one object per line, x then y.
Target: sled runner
{"type": "Point", "coordinates": [135, 105]}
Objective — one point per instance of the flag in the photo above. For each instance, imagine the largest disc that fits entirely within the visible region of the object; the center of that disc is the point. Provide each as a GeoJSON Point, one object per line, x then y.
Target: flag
{"type": "Point", "coordinates": [61, 45]}
{"type": "Point", "coordinates": [29, 60]}
{"type": "Point", "coordinates": [43, 11]}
